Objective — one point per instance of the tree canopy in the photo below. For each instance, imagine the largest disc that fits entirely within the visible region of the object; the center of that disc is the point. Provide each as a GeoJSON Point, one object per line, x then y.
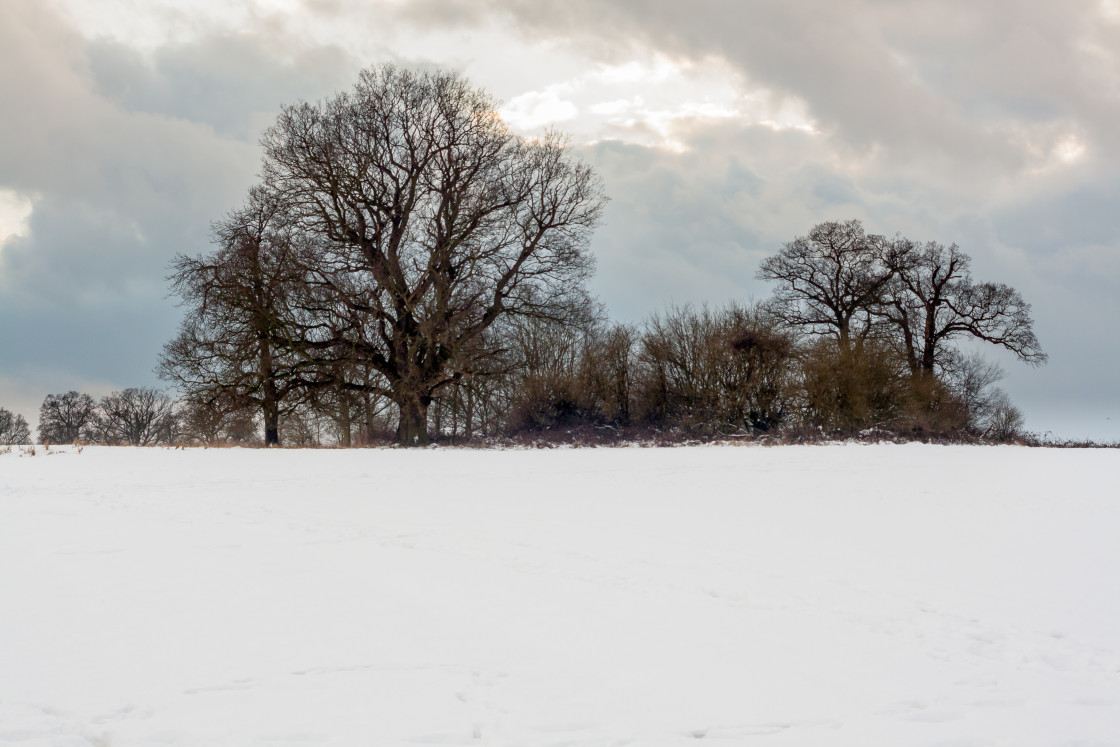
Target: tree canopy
{"type": "Point", "coordinates": [416, 219]}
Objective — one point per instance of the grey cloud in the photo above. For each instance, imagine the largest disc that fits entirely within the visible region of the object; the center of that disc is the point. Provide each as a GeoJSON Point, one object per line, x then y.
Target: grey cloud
{"type": "Point", "coordinates": [693, 226]}
{"type": "Point", "coordinates": [115, 192]}
{"type": "Point", "coordinates": [234, 83]}
{"type": "Point", "coordinates": [940, 78]}
{"type": "Point", "coordinates": [127, 160]}
{"type": "Point", "coordinates": [1084, 216]}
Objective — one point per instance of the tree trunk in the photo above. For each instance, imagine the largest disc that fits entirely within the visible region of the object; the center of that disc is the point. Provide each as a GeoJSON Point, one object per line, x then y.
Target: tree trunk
{"type": "Point", "coordinates": [848, 399]}
{"type": "Point", "coordinates": [470, 413]}
{"type": "Point", "coordinates": [845, 338]}
{"type": "Point", "coordinates": [271, 424]}
{"type": "Point", "coordinates": [929, 355]}
{"type": "Point", "coordinates": [346, 425]}
{"type": "Point", "coordinates": [412, 429]}
{"type": "Point", "coordinates": [271, 403]}
{"type": "Point", "coordinates": [368, 423]}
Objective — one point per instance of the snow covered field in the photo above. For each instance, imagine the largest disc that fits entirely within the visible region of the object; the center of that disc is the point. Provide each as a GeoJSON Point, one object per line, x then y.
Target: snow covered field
{"type": "Point", "coordinates": [829, 595]}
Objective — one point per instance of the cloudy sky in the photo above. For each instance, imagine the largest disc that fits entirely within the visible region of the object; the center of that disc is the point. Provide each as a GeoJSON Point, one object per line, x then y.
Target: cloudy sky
{"type": "Point", "coordinates": [721, 129]}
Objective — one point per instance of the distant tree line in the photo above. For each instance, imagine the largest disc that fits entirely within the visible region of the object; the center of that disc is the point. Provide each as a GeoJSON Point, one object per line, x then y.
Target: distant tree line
{"type": "Point", "coordinates": [137, 416]}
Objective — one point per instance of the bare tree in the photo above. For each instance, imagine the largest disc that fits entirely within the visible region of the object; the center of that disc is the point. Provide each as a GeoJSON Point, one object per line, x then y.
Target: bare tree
{"type": "Point", "coordinates": [140, 416]}
{"type": "Point", "coordinates": [549, 372]}
{"type": "Point", "coordinates": [722, 368]}
{"type": "Point", "coordinates": [933, 299]}
{"type": "Point", "coordinates": [989, 412]}
{"type": "Point", "coordinates": [867, 291]}
{"type": "Point", "coordinates": [233, 350]}
{"type": "Point", "coordinates": [830, 280]}
{"type": "Point", "coordinates": [610, 361]}
{"type": "Point", "coordinates": [1005, 423]}
{"type": "Point", "coordinates": [203, 421]}
{"type": "Point", "coordinates": [429, 221]}
{"type": "Point", "coordinates": [66, 418]}
{"type": "Point", "coordinates": [13, 428]}
{"type": "Point", "coordinates": [760, 369]}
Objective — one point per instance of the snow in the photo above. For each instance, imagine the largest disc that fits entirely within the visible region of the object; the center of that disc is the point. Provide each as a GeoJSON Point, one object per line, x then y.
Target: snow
{"type": "Point", "coordinates": [839, 595]}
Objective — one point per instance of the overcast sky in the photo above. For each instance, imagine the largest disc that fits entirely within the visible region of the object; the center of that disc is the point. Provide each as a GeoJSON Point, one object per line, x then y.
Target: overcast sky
{"type": "Point", "coordinates": [722, 129]}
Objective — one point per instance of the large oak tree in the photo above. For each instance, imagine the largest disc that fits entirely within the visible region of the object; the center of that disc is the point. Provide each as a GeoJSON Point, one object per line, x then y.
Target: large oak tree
{"type": "Point", "coordinates": [428, 220]}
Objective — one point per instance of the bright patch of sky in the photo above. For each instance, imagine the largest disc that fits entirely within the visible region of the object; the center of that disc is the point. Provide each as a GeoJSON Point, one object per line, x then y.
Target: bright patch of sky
{"type": "Point", "coordinates": [651, 101]}
{"type": "Point", "coordinates": [15, 209]}
{"type": "Point", "coordinates": [648, 98]}
{"type": "Point", "coordinates": [149, 24]}
{"type": "Point", "coordinates": [1069, 149]}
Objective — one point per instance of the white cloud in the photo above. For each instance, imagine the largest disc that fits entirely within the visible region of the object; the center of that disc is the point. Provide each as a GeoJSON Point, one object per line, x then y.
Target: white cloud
{"type": "Point", "coordinates": [536, 109]}
{"type": "Point", "coordinates": [1069, 149]}
{"type": "Point", "coordinates": [656, 69]}
{"type": "Point", "coordinates": [654, 101]}
{"type": "Point", "coordinates": [15, 209]}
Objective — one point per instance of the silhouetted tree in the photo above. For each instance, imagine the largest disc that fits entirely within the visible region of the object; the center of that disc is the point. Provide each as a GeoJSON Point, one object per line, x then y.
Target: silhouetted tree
{"type": "Point", "coordinates": [610, 361]}
{"type": "Point", "coordinates": [933, 299]}
{"type": "Point", "coordinates": [233, 349]}
{"type": "Point", "coordinates": [66, 418]}
{"type": "Point", "coordinates": [988, 411]}
{"type": "Point", "coordinates": [551, 379]}
{"type": "Point", "coordinates": [829, 281]}
{"type": "Point", "coordinates": [866, 292]}
{"type": "Point", "coordinates": [13, 428]}
{"type": "Point", "coordinates": [1005, 422]}
{"type": "Point", "coordinates": [429, 221]}
{"type": "Point", "coordinates": [203, 421]}
{"type": "Point", "coordinates": [139, 416]}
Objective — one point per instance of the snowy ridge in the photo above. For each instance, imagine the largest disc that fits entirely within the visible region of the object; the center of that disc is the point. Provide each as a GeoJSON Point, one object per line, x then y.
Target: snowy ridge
{"type": "Point", "coordinates": [839, 595]}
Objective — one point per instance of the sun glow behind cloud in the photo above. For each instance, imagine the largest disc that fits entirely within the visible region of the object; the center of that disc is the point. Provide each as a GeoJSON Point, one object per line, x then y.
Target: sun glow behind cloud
{"type": "Point", "coordinates": [1069, 149]}
{"type": "Point", "coordinates": [536, 109]}
{"type": "Point", "coordinates": [1053, 154]}
{"type": "Point", "coordinates": [15, 209]}
{"type": "Point", "coordinates": [653, 101]}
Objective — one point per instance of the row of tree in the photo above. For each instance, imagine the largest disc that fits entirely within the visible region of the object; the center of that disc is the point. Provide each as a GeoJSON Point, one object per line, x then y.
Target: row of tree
{"type": "Point", "coordinates": [858, 334]}
{"type": "Point", "coordinates": [138, 416]}
{"type": "Point", "coordinates": [693, 371]}
{"type": "Point", "coordinates": [407, 262]}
